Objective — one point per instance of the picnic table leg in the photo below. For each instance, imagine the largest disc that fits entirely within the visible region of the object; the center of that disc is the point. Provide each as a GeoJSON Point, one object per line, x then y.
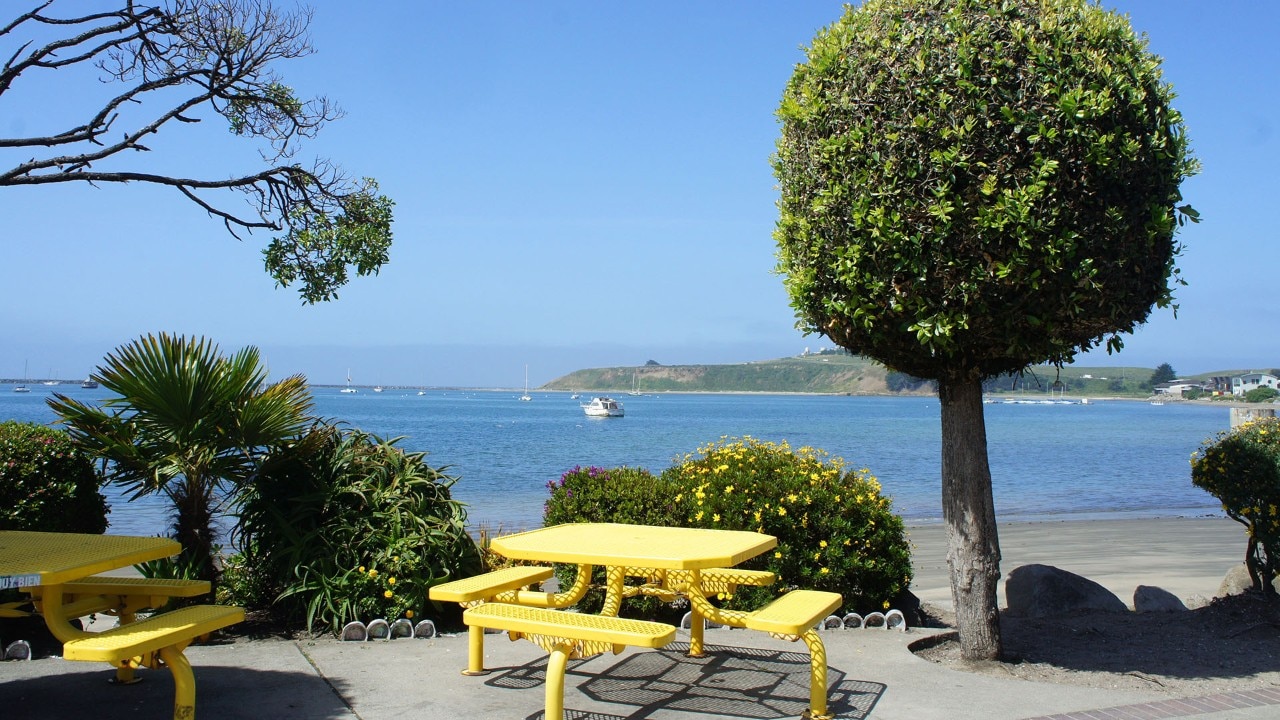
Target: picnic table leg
{"type": "Point", "coordinates": [184, 683]}
{"type": "Point", "coordinates": [615, 577]}
{"type": "Point", "coordinates": [817, 676]}
{"type": "Point", "coordinates": [475, 651]}
{"type": "Point", "coordinates": [124, 671]}
{"type": "Point", "coordinates": [556, 663]}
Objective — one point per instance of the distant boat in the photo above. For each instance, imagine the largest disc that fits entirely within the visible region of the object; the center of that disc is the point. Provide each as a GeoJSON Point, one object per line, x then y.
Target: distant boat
{"type": "Point", "coordinates": [526, 397]}
{"type": "Point", "coordinates": [89, 383]}
{"type": "Point", "coordinates": [22, 386]}
{"type": "Point", "coordinates": [377, 388]}
{"type": "Point", "coordinates": [635, 385]}
{"type": "Point", "coordinates": [348, 388]}
{"type": "Point", "coordinates": [575, 395]}
{"type": "Point", "coordinates": [602, 407]}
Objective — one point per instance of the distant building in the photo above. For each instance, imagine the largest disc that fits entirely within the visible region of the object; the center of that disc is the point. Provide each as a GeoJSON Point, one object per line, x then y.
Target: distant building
{"type": "Point", "coordinates": [1177, 388]}
{"type": "Point", "coordinates": [1242, 384]}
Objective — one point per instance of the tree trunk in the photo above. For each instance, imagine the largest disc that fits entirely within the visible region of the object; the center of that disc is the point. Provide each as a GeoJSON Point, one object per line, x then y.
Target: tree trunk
{"type": "Point", "coordinates": [973, 547]}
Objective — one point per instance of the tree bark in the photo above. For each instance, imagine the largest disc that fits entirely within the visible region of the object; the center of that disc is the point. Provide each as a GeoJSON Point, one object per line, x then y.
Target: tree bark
{"type": "Point", "coordinates": [968, 509]}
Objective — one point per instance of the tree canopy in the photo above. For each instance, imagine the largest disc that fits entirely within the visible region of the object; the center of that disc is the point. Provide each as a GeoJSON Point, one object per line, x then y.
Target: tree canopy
{"type": "Point", "coordinates": [173, 62]}
{"type": "Point", "coordinates": [973, 187]}
{"type": "Point", "coordinates": [969, 188]}
{"type": "Point", "coordinates": [1163, 373]}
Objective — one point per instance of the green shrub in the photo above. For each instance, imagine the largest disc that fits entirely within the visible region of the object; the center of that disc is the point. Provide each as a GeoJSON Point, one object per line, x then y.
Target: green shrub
{"type": "Point", "coordinates": [1261, 394]}
{"type": "Point", "coordinates": [341, 525]}
{"type": "Point", "coordinates": [835, 530]}
{"type": "Point", "coordinates": [1242, 469]}
{"type": "Point", "coordinates": [621, 495]}
{"type": "Point", "coordinates": [46, 484]}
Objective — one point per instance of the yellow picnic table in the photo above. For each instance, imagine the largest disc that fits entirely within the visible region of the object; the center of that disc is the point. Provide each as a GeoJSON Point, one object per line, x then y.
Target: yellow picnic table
{"type": "Point", "coordinates": [672, 558]}
{"type": "Point", "coordinates": [50, 562]}
{"type": "Point", "coordinates": [671, 561]}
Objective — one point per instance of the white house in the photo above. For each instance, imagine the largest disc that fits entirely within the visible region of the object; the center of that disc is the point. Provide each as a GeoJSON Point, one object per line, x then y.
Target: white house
{"type": "Point", "coordinates": [1242, 384]}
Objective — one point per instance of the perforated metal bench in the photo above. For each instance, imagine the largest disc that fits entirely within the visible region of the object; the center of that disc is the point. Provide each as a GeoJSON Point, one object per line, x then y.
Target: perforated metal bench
{"type": "Point", "coordinates": [488, 586]}
{"type": "Point", "coordinates": [122, 596]}
{"type": "Point", "coordinates": [795, 616]}
{"type": "Point", "coordinates": [159, 639]}
{"type": "Point", "coordinates": [565, 635]}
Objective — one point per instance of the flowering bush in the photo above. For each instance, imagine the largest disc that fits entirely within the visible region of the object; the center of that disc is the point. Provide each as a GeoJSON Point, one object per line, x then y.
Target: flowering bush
{"type": "Point", "coordinates": [46, 484]}
{"type": "Point", "coordinates": [1242, 469]}
{"type": "Point", "coordinates": [835, 530]}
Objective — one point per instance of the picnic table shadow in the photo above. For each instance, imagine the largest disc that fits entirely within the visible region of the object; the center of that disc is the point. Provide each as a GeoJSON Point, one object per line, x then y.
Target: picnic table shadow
{"type": "Point", "coordinates": [83, 689]}
{"type": "Point", "coordinates": [758, 684]}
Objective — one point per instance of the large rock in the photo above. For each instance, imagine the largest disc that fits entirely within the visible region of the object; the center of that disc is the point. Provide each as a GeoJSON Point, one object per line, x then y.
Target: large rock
{"type": "Point", "coordinates": [1147, 598]}
{"type": "Point", "coordinates": [1046, 591]}
{"type": "Point", "coordinates": [1235, 582]}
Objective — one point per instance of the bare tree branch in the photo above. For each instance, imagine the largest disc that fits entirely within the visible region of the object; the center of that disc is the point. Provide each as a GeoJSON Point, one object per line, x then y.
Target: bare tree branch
{"type": "Point", "coordinates": [222, 54]}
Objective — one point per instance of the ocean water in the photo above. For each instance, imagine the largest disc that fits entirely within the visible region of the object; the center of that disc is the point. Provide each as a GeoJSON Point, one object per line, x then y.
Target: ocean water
{"type": "Point", "coordinates": [1103, 459]}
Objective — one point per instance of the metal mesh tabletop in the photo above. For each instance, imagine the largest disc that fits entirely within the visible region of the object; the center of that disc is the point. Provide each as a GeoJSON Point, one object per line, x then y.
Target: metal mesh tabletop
{"type": "Point", "coordinates": [635, 545]}
{"type": "Point", "coordinates": [38, 558]}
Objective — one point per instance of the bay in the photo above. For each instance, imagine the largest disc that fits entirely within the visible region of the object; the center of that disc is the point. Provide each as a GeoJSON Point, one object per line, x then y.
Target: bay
{"type": "Point", "coordinates": [1102, 459]}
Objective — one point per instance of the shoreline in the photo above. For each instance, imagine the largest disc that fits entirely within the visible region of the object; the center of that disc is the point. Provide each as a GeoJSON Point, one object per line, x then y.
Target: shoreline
{"type": "Point", "coordinates": [1186, 556]}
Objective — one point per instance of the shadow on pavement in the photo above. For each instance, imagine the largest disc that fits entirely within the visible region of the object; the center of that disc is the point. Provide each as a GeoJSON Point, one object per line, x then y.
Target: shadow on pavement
{"type": "Point", "coordinates": [221, 692]}
{"type": "Point", "coordinates": [751, 683]}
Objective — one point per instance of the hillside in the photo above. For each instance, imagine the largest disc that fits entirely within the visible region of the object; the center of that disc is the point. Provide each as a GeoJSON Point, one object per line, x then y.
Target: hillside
{"type": "Point", "coordinates": [838, 373]}
{"type": "Point", "coordinates": [832, 373]}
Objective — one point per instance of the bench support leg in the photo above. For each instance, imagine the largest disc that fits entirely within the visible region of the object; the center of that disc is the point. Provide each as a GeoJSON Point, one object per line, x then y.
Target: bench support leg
{"type": "Point", "coordinates": [817, 676]}
{"type": "Point", "coordinates": [184, 683]}
{"type": "Point", "coordinates": [697, 625]}
{"type": "Point", "coordinates": [475, 651]}
{"type": "Point", "coordinates": [556, 663]}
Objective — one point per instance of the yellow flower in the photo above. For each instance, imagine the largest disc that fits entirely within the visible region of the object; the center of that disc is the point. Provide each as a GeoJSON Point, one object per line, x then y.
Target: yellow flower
{"type": "Point", "coordinates": [388, 594]}
{"type": "Point", "coordinates": [822, 543]}
{"type": "Point", "coordinates": [408, 614]}
{"type": "Point", "coordinates": [728, 489]}
{"type": "Point", "coordinates": [362, 568]}
{"type": "Point", "coordinates": [886, 605]}
{"type": "Point", "coordinates": [824, 571]}
{"type": "Point", "coordinates": [715, 517]}
{"type": "Point", "coordinates": [777, 555]}
{"type": "Point", "coordinates": [782, 511]}
{"type": "Point", "coordinates": [373, 573]}
{"type": "Point", "coordinates": [391, 581]}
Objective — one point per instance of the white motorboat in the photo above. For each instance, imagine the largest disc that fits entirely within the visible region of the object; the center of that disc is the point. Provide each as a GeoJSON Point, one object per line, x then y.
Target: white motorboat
{"type": "Point", "coordinates": [602, 407]}
{"type": "Point", "coordinates": [348, 388]}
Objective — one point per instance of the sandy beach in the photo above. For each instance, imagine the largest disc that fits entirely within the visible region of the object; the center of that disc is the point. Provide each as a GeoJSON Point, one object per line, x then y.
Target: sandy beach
{"type": "Point", "coordinates": [1186, 556]}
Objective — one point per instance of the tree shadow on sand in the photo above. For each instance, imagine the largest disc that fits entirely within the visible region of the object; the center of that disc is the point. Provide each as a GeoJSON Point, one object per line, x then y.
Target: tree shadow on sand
{"type": "Point", "coordinates": [1230, 639]}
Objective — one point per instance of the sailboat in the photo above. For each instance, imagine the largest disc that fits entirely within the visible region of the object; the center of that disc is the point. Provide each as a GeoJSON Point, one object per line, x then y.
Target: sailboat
{"type": "Point", "coordinates": [348, 388]}
{"type": "Point", "coordinates": [22, 386]}
{"type": "Point", "coordinates": [526, 397]}
{"type": "Point", "coordinates": [635, 385]}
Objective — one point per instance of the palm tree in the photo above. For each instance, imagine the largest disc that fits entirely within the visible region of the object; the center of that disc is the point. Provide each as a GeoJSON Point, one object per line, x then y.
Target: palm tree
{"type": "Point", "coordinates": [187, 422]}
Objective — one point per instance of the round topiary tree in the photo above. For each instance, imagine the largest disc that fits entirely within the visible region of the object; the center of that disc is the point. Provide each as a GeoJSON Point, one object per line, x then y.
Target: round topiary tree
{"type": "Point", "coordinates": [969, 188]}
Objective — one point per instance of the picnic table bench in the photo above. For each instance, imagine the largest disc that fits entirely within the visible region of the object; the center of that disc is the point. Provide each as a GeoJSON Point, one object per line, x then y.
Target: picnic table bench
{"type": "Point", "coordinates": [565, 636]}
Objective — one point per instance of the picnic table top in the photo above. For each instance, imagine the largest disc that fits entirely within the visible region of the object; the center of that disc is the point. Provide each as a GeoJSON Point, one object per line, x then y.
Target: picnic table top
{"type": "Point", "coordinates": [667, 548]}
{"type": "Point", "coordinates": [42, 558]}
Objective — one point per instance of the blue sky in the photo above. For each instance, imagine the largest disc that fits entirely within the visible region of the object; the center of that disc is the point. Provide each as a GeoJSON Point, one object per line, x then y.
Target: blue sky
{"type": "Point", "coordinates": [577, 184]}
